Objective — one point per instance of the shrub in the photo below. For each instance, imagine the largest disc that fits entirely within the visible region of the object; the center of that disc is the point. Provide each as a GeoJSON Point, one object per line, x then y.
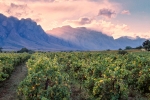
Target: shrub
{"type": "Point", "coordinates": [123, 52]}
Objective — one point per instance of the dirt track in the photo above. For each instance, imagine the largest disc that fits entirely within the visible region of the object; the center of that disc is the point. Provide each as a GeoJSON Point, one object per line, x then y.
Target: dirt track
{"type": "Point", "coordinates": [9, 87]}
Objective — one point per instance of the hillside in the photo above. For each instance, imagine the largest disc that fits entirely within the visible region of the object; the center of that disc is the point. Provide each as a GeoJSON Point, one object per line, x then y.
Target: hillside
{"type": "Point", "coordinates": [93, 40]}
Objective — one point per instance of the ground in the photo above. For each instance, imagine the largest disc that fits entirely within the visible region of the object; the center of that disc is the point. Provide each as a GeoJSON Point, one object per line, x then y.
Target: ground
{"type": "Point", "coordinates": [8, 88]}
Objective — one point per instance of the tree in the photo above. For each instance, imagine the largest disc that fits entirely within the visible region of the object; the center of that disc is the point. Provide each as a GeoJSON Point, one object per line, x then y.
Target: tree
{"type": "Point", "coordinates": [23, 50]}
{"type": "Point", "coordinates": [1, 49]}
{"type": "Point", "coordinates": [139, 47]}
{"type": "Point", "coordinates": [128, 47]}
{"type": "Point", "coordinates": [146, 45]}
{"type": "Point", "coordinates": [122, 52]}
{"type": "Point", "coordinates": [119, 49]}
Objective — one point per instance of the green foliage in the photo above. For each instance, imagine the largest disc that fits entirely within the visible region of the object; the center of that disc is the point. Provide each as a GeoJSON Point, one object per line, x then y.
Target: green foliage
{"type": "Point", "coordinates": [44, 81]}
{"type": "Point", "coordinates": [119, 49]}
{"type": "Point", "coordinates": [108, 50]}
{"type": "Point", "coordinates": [8, 61]}
{"type": "Point", "coordinates": [138, 47]}
{"type": "Point", "coordinates": [146, 45]}
{"type": "Point", "coordinates": [128, 47]}
{"type": "Point", "coordinates": [101, 76]}
{"type": "Point", "coordinates": [1, 49]}
{"type": "Point", "coordinates": [25, 50]}
{"type": "Point", "coordinates": [122, 52]}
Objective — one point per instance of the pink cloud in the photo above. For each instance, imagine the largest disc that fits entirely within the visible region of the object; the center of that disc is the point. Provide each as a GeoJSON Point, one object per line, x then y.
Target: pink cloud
{"type": "Point", "coordinates": [80, 21]}
{"type": "Point", "coordinates": [54, 12]}
{"type": "Point", "coordinates": [106, 27]}
{"type": "Point", "coordinates": [51, 14]}
{"type": "Point", "coordinates": [18, 10]}
{"type": "Point", "coordinates": [125, 12]}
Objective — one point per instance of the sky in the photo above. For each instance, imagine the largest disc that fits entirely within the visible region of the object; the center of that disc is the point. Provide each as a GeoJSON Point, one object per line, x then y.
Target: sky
{"type": "Point", "coordinates": [112, 17]}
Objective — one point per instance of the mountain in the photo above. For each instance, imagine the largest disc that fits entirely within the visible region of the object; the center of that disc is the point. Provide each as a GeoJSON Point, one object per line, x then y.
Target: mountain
{"type": "Point", "coordinates": [93, 40]}
{"type": "Point", "coordinates": [85, 38]}
{"type": "Point", "coordinates": [128, 41]}
{"type": "Point", "coordinates": [16, 34]}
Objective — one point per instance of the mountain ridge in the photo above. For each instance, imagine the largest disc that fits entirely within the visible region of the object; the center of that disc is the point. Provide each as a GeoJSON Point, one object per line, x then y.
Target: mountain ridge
{"type": "Point", "coordinates": [16, 34]}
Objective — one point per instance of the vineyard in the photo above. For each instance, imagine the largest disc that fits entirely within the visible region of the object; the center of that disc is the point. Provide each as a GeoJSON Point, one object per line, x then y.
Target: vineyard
{"type": "Point", "coordinates": [86, 76]}
{"type": "Point", "coordinates": [8, 62]}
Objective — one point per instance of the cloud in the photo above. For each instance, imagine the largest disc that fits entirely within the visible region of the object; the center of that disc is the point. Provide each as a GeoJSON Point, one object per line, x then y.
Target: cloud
{"type": "Point", "coordinates": [79, 22]}
{"type": "Point", "coordinates": [56, 13]}
{"type": "Point", "coordinates": [76, 13]}
{"type": "Point", "coordinates": [84, 20]}
{"type": "Point", "coordinates": [52, 13]}
{"type": "Point", "coordinates": [108, 13]}
{"type": "Point", "coordinates": [145, 35]}
{"type": "Point", "coordinates": [37, 20]}
{"type": "Point", "coordinates": [48, 1]}
{"type": "Point", "coordinates": [3, 7]}
{"type": "Point", "coordinates": [125, 12]}
{"type": "Point", "coordinates": [108, 27]}
{"type": "Point", "coordinates": [18, 10]}
{"type": "Point", "coordinates": [36, 0]}
{"type": "Point", "coordinates": [101, 25]}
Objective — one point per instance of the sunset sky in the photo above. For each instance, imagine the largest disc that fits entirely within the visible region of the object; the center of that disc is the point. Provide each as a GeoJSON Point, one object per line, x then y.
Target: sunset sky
{"type": "Point", "coordinates": [113, 17]}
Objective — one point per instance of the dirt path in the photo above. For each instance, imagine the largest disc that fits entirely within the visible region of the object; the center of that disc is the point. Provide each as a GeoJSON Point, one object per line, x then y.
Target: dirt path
{"type": "Point", "coordinates": [9, 87]}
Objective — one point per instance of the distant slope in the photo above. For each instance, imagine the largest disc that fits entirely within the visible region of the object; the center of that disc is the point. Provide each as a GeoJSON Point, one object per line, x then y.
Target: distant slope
{"type": "Point", "coordinates": [93, 40]}
{"type": "Point", "coordinates": [15, 34]}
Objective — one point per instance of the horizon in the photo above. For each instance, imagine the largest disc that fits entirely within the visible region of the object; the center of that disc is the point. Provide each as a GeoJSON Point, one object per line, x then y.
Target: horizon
{"type": "Point", "coordinates": [112, 17]}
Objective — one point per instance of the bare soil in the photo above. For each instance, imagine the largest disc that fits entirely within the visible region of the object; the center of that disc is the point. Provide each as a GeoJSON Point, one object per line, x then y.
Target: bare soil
{"type": "Point", "coordinates": [8, 88]}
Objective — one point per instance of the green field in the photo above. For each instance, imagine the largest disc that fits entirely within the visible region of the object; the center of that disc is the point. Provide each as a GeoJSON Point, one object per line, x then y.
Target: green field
{"type": "Point", "coordinates": [95, 75]}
